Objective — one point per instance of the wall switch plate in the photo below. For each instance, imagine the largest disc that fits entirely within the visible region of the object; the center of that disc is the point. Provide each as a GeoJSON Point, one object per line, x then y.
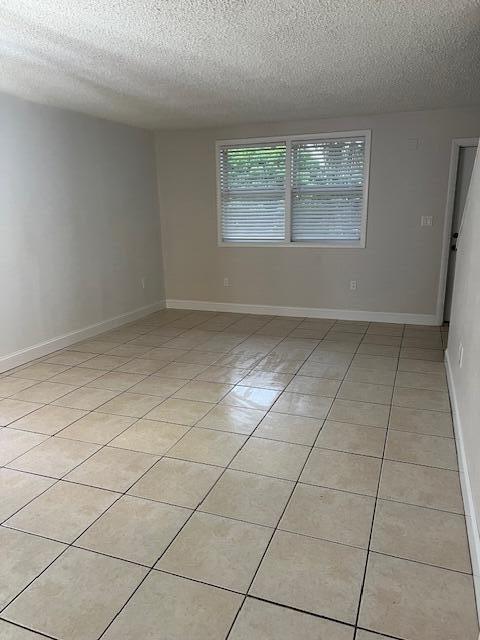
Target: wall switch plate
{"type": "Point", "coordinates": [226, 282]}
{"type": "Point", "coordinates": [353, 285]}
{"type": "Point", "coordinates": [426, 221]}
{"type": "Point", "coordinates": [460, 355]}
{"type": "Point", "coordinates": [142, 281]}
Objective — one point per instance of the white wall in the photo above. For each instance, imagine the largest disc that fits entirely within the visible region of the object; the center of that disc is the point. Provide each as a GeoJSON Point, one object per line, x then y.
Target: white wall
{"type": "Point", "coordinates": [398, 271]}
{"type": "Point", "coordinates": [464, 381]}
{"type": "Point", "coordinates": [79, 223]}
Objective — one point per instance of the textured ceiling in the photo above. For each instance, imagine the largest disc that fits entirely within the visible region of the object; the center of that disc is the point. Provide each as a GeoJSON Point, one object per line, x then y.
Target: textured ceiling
{"type": "Point", "coordinates": [193, 63]}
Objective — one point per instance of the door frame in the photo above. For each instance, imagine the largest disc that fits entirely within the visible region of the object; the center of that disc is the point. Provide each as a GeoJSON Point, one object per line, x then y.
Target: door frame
{"type": "Point", "coordinates": [457, 144]}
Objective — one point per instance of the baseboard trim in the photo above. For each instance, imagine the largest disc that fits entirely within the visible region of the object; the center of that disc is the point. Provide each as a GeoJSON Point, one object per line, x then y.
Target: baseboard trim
{"type": "Point", "coordinates": [60, 342]}
{"type": "Point", "coordinates": [467, 494]}
{"type": "Point", "coordinates": [307, 312]}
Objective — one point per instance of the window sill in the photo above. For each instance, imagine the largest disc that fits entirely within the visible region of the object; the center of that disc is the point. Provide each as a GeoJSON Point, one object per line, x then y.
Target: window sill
{"type": "Point", "coordinates": [301, 245]}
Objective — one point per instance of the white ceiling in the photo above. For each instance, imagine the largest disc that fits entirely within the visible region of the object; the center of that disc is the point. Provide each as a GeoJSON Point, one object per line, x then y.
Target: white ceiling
{"type": "Point", "coordinates": [193, 63]}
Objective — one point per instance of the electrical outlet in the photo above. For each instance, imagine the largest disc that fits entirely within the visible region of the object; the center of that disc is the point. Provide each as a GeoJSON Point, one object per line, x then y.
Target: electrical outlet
{"type": "Point", "coordinates": [426, 221]}
{"type": "Point", "coordinates": [226, 282]}
{"type": "Point", "coordinates": [460, 355]}
{"type": "Point", "coordinates": [353, 285]}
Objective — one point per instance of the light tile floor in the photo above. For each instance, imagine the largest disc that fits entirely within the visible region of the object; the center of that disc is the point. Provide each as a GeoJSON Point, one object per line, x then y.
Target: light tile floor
{"type": "Point", "coordinates": [202, 476]}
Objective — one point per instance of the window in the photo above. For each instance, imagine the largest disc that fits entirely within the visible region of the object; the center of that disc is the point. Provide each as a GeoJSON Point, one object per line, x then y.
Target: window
{"type": "Point", "coordinates": [296, 190]}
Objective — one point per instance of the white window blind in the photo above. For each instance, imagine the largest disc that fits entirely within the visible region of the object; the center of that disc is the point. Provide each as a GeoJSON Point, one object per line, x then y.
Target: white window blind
{"type": "Point", "coordinates": [252, 185]}
{"type": "Point", "coordinates": [327, 189]}
{"type": "Point", "coordinates": [293, 191]}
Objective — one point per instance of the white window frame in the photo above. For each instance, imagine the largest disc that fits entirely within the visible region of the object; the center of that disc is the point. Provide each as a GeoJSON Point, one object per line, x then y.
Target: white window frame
{"type": "Point", "coordinates": [366, 133]}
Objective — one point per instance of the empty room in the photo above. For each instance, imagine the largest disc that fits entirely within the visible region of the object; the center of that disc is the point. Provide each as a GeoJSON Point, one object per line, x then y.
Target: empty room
{"type": "Point", "coordinates": [240, 320]}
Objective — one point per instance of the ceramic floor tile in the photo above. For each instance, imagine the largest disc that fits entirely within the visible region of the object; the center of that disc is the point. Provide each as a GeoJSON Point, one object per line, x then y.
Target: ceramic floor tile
{"type": "Point", "coordinates": [116, 381]}
{"type": "Point", "coordinates": [186, 412]}
{"type": "Point", "coordinates": [343, 471]}
{"type": "Point", "coordinates": [150, 436]}
{"type": "Point", "coordinates": [416, 353]}
{"type": "Point", "coordinates": [314, 386]}
{"type": "Point", "coordinates": [208, 446]}
{"type": "Point", "coordinates": [113, 469]}
{"type": "Point", "coordinates": [9, 386]}
{"type": "Point", "coordinates": [49, 420]}
{"type": "Point", "coordinates": [421, 399]}
{"type": "Point", "coordinates": [14, 443]}
{"type": "Point", "coordinates": [322, 370]}
{"type": "Point", "coordinates": [271, 458]}
{"type": "Point", "coordinates": [422, 486]}
{"type": "Point", "coordinates": [367, 348]}
{"type": "Point", "coordinates": [429, 381]}
{"type": "Point", "coordinates": [289, 428]}
{"type": "Point", "coordinates": [63, 512]}
{"type": "Point", "coordinates": [332, 515]}
{"type": "Point", "coordinates": [225, 375]}
{"type": "Point", "coordinates": [182, 370]}
{"type": "Point", "coordinates": [64, 359]}
{"type": "Point", "coordinates": [249, 497]}
{"type": "Point", "coordinates": [11, 410]}
{"type": "Point", "coordinates": [277, 364]}
{"type": "Point", "coordinates": [77, 376]}
{"type": "Point", "coordinates": [177, 482]}
{"type": "Point", "coordinates": [218, 551]}
{"type": "Point", "coordinates": [251, 398]}
{"type": "Point", "coordinates": [141, 366]}
{"type": "Point", "coordinates": [365, 392]}
{"type": "Point", "coordinates": [352, 438]}
{"type": "Point", "coordinates": [84, 602]}
{"type": "Point", "coordinates": [22, 559]}
{"type": "Point", "coordinates": [420, 534]}
{"type": "Point", "coordinates": [303, 405]}
{"type": "Point", "coordinates": [420, 366]}
{"type": "Point", "coordinates": [267, 380]}
{"type": "Point", "coordinates": [265, 621]}
{"type": "Point", "coordinates": [86, 398]}
{"type": "Point", "coordinates": [381, 363]}
{"type": "Point", "coordinates": [434, 423]}
{"type": "Point", "coordinates": [431, 451]}
{"type": "Point", "coordinates": [18, 488]}
{"type": "Point", "coordinates": [104, 362]}
{"type": "Point", "coordinates": [97, 427]}
{"type": "Point", "coordinates": [158, 386]}
{"type": "Point", "coordinates": [40, 371]}
{"type": "Point", "coordinates": [146, 527]}
{"type": "Point", "coordinates": [415, 601]}
{"type": "Point", "coordinates": [201, 357]}
{"type": "Point", "coordinates": [235, 419]}
{"type": "Point", "coordinates": [372, 376]}
{"type": "Point", "coordinates": [44, 392]}
{"type": "Point", "coordinates": [313, 575]}
{"type": "Point", "coordinates": [167, 607]}
{"type": "Point", "coordinates": [135, 405]}
{"type": "Point", "coordinates": [325, 356]}
{"type": "Point", "coordinates": [203, 391]}
{"type": "Point", "coordinates": [364, 413]}
{"type": "Point", "coordinates": [54, 457]}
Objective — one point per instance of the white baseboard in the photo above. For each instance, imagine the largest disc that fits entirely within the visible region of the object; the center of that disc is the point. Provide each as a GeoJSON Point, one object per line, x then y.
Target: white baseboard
{"type": "Point", "coordinates": [307, 312]}
{"type": "Point", "coordinates": [60, 342]}
{"type": "Point", "coordinates": [469, 505]}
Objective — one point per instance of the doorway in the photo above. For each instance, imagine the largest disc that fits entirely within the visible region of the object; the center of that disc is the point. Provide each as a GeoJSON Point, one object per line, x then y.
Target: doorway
{"type": "Point", "coordinates": [463, 159]}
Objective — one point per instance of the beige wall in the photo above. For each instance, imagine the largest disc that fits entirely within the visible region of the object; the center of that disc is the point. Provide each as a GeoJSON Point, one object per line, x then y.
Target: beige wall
{"type": "Point", "coordinates": [79, 224]}
{"type": "Point", "coordinates": [465, 380]}
{"type": "Point", "coordinates": [397, 272]}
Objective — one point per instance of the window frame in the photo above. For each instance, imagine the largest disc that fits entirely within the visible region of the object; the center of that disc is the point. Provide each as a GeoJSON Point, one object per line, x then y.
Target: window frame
{"type": "Point", "coordinates": [360, 244]}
